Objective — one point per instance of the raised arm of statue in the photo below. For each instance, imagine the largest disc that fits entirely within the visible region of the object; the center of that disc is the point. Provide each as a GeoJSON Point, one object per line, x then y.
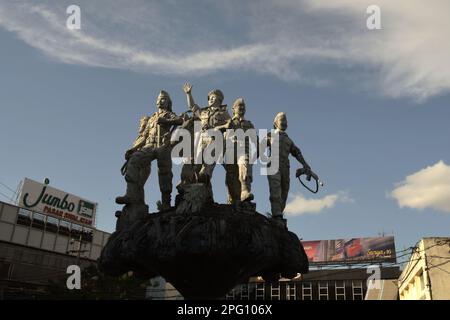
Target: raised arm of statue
{"type": "Point", "coordinates": [187, 88]}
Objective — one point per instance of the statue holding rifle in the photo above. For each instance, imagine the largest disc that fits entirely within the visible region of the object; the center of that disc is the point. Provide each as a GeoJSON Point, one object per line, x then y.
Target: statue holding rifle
{"type": "Point", "coordinates": [190, 243]}
{"type": "Point", "coordinates": [279, 182]}
{"type": "Point", "coordinates": [212, 116]}
{"type": "Point", "coordinates": [152, 143]}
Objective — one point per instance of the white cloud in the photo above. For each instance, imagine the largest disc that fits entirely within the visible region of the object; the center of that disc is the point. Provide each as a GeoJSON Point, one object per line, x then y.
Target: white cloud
{"type": "Point", "coordinates": [313, 41]}
{"type": "Point", "coordinates": [410, 53]}
{"type": "Point", "coordinates": [300, 205]}
{"type": "Point", "coordinates": [427, 188]}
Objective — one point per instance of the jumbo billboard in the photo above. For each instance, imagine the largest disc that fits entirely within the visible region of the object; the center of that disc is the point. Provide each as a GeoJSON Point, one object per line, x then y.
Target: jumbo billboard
{"type": "Point", "coordinates": [43, 198]}
{"type": "Point", "coordinates": [354, 250]}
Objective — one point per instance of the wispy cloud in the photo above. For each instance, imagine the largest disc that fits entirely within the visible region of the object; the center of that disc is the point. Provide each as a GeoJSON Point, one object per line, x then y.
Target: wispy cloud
{"type": "Point", "coordinates": [427, 188]}
{"type": "Point", "coordinates": [300, 205]}
{"type": "Point", "coordinates": [305, 40]}
{"type": "Point", "coordinates": [410, 53]}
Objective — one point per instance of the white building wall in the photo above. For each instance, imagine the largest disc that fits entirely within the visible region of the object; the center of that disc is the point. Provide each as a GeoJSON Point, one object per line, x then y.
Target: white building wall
{"type": "Point", "coordinates": [12, 231]}
{"type": "Point", "coordinates": [427, 274]}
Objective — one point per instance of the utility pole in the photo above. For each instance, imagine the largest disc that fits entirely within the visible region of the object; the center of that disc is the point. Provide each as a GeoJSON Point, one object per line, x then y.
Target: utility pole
{"type": "Point", "coordinates": [79, 250]}
{"type": "Point", "coordinates": [427, 272]}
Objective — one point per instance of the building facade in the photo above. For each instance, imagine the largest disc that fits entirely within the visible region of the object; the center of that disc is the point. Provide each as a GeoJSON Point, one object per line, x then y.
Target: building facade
{"type": "Point", "coordinates": [427, 274]}
{"type": "Point", "coordinates": [326, 284]}
{"type": "Point", "coordinates": [35, 248]}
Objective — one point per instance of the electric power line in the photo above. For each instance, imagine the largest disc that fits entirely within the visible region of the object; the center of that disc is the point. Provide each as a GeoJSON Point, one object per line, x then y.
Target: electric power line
{"type": "Point", "coordinates": [13, 191]}
{"type": "Point", "coordinates": [6, 197]}
{"type": "Point", "coordinates": [438, 266]}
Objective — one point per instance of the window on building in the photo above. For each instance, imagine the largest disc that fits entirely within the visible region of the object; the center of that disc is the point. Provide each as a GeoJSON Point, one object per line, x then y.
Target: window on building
{"type": "Point", "coordinates": [422, 281]}
{"type": "Point", "coordinates": [24, 217]}
{"type": "Point", "coordinates": [244, 292]}
{"type": "Point", "coordinates": [64, 228]}
{"type": "Point", "coordinates": [76, 232]}
{"type": "Point", "coordinates": [57, 262]}
{"type": "Point", "coordinates": [230, 295]}
{"type": "Point", "coordinates": [38, 221]}
{"type": "Point", "coordinates": [52, 225]}
{"type": "Point", "coordinates": [323, 290]}
{"type": "Point", "coordinates": [260, 292]}
{"type": "Point", "coordinates": [340, 290]}
{"type": "Point", "coordinates": [252, 290]}
{"type": "Point", "coordinates": [18, 255]}
{"type": "Point", "coordinates": [291, 292]}
{"type": "Point", "coordinates": [46, 260]}
{"type": "Point", "coordinates": [405, 293]}
{"type": "Point", "coordinates": [307, 291]}
{"type": "Point", "coordinates": [357, 290]}
{"type": "Point", "coordinates": [38, 258]}
{"type": "Point", "coordinates": [420, 285]}
{"type": "Point", "coordinates": [275, 291]}
{"type": "Point", "coordinates": [4, 269]}
{"type": "Point", "coordinates": [412, 290]}
{"type": "Point", "coordinates": [87, 234]}
{"type": "Point", "coordinates": [29, 257]}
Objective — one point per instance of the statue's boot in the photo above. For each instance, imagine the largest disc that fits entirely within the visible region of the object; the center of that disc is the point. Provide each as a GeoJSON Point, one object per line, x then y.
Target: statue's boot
{"type": "Point", "coordinates": [123, 200]}
{"type": "Point", "coordinates": [165, 203]}
{"type": "Point", "coordinates": [246, 195]}
{"type": "Point", "coordinates": [203, 177]}
{"type": "Point", "coordinates": [135, 194]}
{"type": "Point", "coordinates": [279, 220]}
{"type": "Point", "coordinates": [276, 208]}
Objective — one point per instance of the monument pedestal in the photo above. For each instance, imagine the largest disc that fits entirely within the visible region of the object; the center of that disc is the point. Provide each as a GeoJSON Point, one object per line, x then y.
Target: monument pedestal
{"type": "Point", "coordinates": [207, 253]}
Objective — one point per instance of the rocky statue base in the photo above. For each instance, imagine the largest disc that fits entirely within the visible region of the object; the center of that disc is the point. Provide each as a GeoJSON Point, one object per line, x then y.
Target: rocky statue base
{"type": "Point", "coordinates": [206, 253]}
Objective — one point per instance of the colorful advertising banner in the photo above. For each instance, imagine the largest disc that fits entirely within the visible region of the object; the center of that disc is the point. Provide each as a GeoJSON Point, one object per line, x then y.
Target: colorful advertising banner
{"type": "Point", "coordinates": [42, 198]}
{"type": "Point", "coordinates": [380, 249]}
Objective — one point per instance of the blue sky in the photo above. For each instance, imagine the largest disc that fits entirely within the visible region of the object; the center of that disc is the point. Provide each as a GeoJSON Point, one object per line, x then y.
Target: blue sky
{"type": "Point", "coordinates": [369, 109]}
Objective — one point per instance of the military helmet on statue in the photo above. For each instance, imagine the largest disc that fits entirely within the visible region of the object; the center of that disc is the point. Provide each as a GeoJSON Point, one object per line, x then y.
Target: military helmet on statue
{"type": "Point", "coordinates": [279, 115]}
{"type": "Point", "coordinates": [164, 94]}
{"type": "Point", "coordinates": [218, 93]}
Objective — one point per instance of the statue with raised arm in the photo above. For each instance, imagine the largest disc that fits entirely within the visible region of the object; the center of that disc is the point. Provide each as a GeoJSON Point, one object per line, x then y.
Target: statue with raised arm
{"type": "Point", "coordinates": [211, 117]}
{"type": "Point", "coordinates": [279, 182]}
{"type": "Point", "coordinates": [152, 143]}
{"type": "Point", "coordinates": [194, 241]}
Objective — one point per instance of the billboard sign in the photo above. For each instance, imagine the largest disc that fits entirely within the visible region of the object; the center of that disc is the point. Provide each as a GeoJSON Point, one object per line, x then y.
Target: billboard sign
{"type": "Point", "coordinates": [355, 250]}
{"type": "Point", "coordinates": [43, 198]}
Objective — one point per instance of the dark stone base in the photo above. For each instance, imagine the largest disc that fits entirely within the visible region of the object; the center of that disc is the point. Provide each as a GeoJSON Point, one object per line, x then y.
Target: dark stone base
{"type": "Point", "coordinates": [205, 254]}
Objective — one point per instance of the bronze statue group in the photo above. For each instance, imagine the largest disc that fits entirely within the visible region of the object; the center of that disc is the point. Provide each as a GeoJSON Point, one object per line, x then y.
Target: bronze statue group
{"type": "Point", "coordinates": [154, 143]}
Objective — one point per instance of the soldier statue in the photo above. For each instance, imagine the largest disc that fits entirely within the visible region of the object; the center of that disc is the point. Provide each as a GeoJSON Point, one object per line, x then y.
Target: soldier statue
{"type": "Point", "coordinates": [241, 162]}
{"type": "Point", "coordinates": [279, 182]}
{"type": "Point", "coordinates": [212, 116]}
{"type": "Point", "coordinates": [153, 142]}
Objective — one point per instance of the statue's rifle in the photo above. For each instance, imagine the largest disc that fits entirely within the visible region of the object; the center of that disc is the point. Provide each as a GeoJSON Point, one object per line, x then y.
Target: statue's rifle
{"type": "Point", "coordinates": [309, 174]}
{"type": "Point", "coordinates": [174, 127]}
{"type": "Point", "coordinates": [123, 170]}
{"type": "Point", "coordinates": [158, 128]}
